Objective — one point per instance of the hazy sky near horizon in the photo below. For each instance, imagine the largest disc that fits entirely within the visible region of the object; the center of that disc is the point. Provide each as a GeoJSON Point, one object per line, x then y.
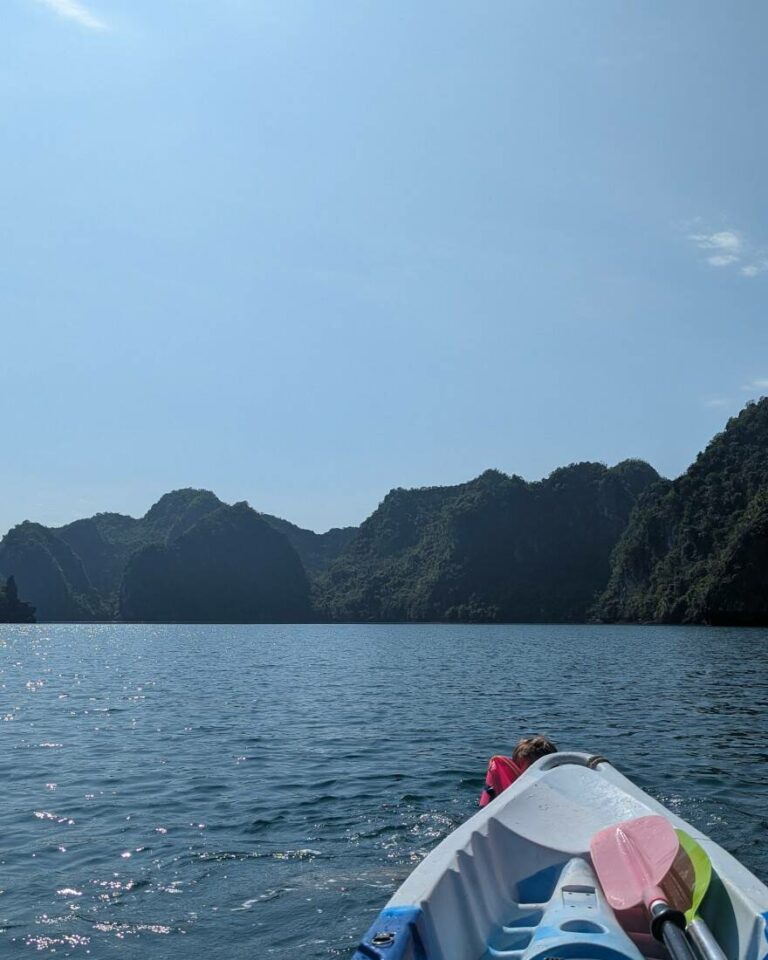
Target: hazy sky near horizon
{"type": "Point", "coordinates": [299, 253]}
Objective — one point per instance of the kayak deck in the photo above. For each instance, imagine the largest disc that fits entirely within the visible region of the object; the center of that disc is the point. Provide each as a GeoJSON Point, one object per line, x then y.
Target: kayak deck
{"type": "Point", "coordinates": [516, 880]}
{"type": "Point", "coordinates": [574, 922]}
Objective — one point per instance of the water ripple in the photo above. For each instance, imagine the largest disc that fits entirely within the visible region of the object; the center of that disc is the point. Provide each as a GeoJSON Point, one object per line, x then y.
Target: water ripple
{"type": "Point", "coordinates": [199, 792]}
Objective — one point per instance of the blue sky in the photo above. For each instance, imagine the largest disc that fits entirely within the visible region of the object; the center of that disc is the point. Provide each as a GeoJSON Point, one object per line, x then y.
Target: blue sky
{"type": "Point", "coordinates": [302, 252]}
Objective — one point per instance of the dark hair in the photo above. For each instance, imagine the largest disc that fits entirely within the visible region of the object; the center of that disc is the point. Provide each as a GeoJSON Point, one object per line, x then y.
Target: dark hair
{"type": "Point", "coordinates": [531, 749]}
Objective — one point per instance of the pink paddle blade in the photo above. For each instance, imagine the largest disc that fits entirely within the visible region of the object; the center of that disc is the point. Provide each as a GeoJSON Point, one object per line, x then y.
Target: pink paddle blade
{"type": "Point", "coordinates": [633, 858]}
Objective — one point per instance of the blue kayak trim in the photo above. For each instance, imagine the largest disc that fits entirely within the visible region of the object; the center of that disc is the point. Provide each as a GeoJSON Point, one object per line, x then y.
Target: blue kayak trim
{"type": "Point", "coordinates": [393, 936]}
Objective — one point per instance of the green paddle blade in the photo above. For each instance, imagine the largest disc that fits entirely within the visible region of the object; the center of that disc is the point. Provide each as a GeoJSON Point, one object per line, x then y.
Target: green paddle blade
{"type": "Point", "coordinates": [702, 872]}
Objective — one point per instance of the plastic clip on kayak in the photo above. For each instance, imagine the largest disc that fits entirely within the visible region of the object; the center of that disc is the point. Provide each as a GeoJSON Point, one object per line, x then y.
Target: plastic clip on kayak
{"type": "Point", "coordinates": [631, 860]}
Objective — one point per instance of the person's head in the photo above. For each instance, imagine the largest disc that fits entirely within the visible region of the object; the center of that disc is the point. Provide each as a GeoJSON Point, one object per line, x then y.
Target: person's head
{"type": "Point", "coordinates": [530, 749]}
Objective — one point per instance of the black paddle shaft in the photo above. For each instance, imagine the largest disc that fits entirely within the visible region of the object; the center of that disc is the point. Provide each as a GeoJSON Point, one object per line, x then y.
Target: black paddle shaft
{"type": "Point", "coordinates": [668, 925]}
{"type": "Point", "coordinates": [676, 942]}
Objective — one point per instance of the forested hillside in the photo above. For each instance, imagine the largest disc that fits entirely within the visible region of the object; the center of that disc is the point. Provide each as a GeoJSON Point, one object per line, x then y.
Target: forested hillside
{"type": "Point", "coordinates": [317, 550]}
{"type": "Point", "coordinates": [494, 549]}
{"type": "Point", "coordinates": [78, 572]}
{"type": "Point", "coordinates": [50, 575]}
{"type": "Point", "coordinates": [696, 550]}
{"type": "Point", "coordinates": [587, 542]}
{"type": "Point", "coordinates": [230, 566]}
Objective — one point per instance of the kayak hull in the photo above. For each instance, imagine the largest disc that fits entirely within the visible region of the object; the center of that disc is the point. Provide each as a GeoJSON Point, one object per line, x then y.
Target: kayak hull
{"type": "Point", "coordinates": [515, 881]}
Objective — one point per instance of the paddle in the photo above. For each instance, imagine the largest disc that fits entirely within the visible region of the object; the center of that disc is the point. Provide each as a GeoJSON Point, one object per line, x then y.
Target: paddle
{"type": "Point", "coordinates": [631, 859]}
{"type": "Point", "coordinates": [697, 929]}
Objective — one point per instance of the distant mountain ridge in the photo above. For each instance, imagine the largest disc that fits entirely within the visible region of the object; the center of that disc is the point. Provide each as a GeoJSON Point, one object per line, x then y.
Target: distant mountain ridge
{"type": "Point", "coordinates": [49, 574]}
{"type": "Point", "coordinates": [494, 549]}
{"type": "Point", "coordinates": [588, 542]}
{"type": "Point", "coordinates": [317, 550]}
{"type": "Point", "coordinates": [227, 566]}
{"type": "Point", "coordinates": [78, 571]}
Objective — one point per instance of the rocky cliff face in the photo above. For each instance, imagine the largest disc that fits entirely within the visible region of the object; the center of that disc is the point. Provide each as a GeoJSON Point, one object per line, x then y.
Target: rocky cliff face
{"type": "Point", "coordinates": [230, 566]}
{"type": "Point", "coordinates": [49, 574]}
{"type": "Point", "coordinates": [77, 572]}
{"type": "Point", "coordinates": [317, 550]}
{"type": "Point", "coordinates": [696, 549]}
{"type": "Point", "coordinates": [494, 549]}
{"type": "Point", "coordinates": [13, 610]}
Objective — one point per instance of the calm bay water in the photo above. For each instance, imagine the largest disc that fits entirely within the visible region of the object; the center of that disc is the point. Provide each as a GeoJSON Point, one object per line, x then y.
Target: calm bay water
{"type": "Point", "coordinates": [225, 792]}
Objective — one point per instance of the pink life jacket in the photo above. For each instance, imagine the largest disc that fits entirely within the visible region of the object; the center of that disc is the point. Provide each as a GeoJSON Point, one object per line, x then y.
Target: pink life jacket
{"type": "Point", "coordinates": [502, 773]}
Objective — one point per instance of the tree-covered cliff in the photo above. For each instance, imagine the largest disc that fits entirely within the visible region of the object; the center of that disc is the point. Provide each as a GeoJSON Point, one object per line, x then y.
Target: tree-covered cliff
{"type": "Point", "coordinates": [76, 572]}
{"type": "Point", "coordinates": [614, 543]}
{"type": "Point", "coordinates": [317, 550]}
{"type": "Point", "coordinates": [696, 548]}
{"type": "Point", "coordinates": [50, 575]}
{"type": "Point", "coordinates": [230, 566]}
{"type": "Point", "coordinates": [105, 542]}
{"type": "Point", "coordinates": [494, 549]}
{"type": "Point", "coordinates": [13, 610]}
